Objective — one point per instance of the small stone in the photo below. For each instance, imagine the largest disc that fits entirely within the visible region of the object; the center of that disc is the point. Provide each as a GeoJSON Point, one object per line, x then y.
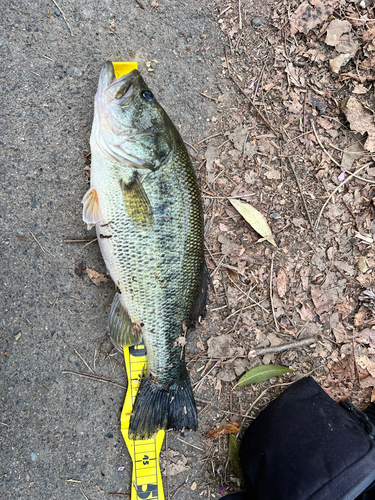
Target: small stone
{"type": "Point", "coordinates": [275, 215]}
{"type": "Point", "coordinates": [193, 486]}
{"type": "Point", "coordinates": [257, 21]}
{"type": "Point", "coordinates": [57, 13]}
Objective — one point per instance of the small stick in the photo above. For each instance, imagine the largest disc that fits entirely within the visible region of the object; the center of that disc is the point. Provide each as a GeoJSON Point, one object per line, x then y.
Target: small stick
{"type": "Point", "coordinates": [78, 354]}
{"type": "Point", "coordinates": [89, 243]}
{"type": "Point", "coordinates": [3, 423]}
{"type": "Point", "coordinates": [282, 347]}
{"type": "Point", "coordinates": [48, 58]}
{"type": "Point", "coordinates": [81, 490]}
{"type": "Point", "coordinates": [301, 192]}
{"type": "Point", "coordinates": [209, 97]}
{"type": "Point", "coordinates": [79, 241]}
{"type": "Point", "coordinates": [256, 400]}
{"type": "Point", "coordinates": [337, 188]}
{"type": "Point", "coordinates": [192, 147]}
{"type": "Point", "coordinates": [254, 106]}
{"type": "Point", "coordinates": [94, 377]}
{"type": "Point", "coordinates": [140, 4]}
{"type": "Point", "coordinates": [189, 444]}
{"type": "Point", "coordinates": [199, 384]}
{"type": "Point", "coordinates": [219, 264]}
{"type": "Point", "coordinates": [239, 12]}
{"type": "Point", "coordinates": [273, 310]}
{"type": "Point", "coordinates": [166, 463]}
{"type": "Point", "coordinates": [209, 137]}
{"type": "Point", "coordinates": [33, 235]}
{"type": "Point", "coordinates": [321, 145]}
{"type": "Point", "coordinates": [65, 19]}
{"type": "Point", "coordinates": [242, 308]}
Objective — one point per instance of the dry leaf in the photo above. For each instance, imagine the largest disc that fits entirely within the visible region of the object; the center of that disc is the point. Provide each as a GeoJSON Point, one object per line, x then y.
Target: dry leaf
{"type": "Point", "coordinates": [282, 282]}
{"type": "Point", "coordinates": [306, 313]}
{"type": "Point", "coordinates": [229, 428]}
{"type": "Point", "coordinates": [335, 30]}
{"type": "Point", "coordinates": [272, 173]}
{"type": "Point", "coordinates": [361, 120]}
{"type": "Point", "coordinates": [95, 277]}
{"type": "Point", "coordinates": [310, 14]}
{"type": "Point", "coordinates": [338, 328]}
{"type": "Point", "coordinates": [256, 220]}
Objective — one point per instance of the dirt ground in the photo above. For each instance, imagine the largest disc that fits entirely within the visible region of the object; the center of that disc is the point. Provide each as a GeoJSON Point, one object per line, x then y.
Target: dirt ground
{"type": "Point", "coordinates": [276, 105]}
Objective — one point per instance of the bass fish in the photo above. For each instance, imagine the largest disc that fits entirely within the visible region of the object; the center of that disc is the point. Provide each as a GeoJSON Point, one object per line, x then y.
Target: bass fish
{"type": "Point", "coordinates": [145, 203]}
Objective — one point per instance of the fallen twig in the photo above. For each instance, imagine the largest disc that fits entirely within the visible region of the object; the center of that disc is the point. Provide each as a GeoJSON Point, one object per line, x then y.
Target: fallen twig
{"type": "Point", "coordinates": [337, 188]}
{"type": "Point", "coordinates": [301, 192]}
{"type": "Point", "coordinates": [209, 137]}
{"type": "Point", "coordinates": [209, 97]}
{"type": "Point", "coordinates": [94, 377]}
{"type": "Point", "coordinates": [200, 382]}
{"type": "Point", "coordinates": [44, 250]}
{"type": "Point", "coordinates": [282, 347]}
{"type": "Point", "coordinates": [65, 19]}
{"type": "Point", "coordinates": [273, 310]}
{"type": "Point", "coordinates": [254, 106]}
{"type": "Point", "coordinates": [242, 308]}
{"type": "Point", "coordinates": [78, 354]}
{"type": "Point", "coordinates": [140, 4]}
{"type": "Point", "coordinates": [189, 444]}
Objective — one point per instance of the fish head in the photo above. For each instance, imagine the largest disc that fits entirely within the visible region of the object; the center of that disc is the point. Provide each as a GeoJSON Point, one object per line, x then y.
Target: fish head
{"type": "Point", "coordinates": [129, 124]}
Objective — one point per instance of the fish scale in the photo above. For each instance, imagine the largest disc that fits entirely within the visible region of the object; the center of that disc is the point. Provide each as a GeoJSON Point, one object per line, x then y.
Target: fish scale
{"type": "Point", "coordinates": [145, 203]}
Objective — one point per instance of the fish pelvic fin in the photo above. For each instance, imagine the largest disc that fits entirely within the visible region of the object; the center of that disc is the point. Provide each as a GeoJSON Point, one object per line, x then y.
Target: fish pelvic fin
{"type": "Point", "coordinates": [163, 407]}
{"type": "Point", "coordinates": [137, 204]}
{"type": "Point", "coordinates": [123, 332]}
{"type": "Point", "coordinates": [91, 208]}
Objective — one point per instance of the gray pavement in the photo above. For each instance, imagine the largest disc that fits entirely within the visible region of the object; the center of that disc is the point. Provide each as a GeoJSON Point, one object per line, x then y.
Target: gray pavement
{"type": "Point", "coordinates": [59, 433]}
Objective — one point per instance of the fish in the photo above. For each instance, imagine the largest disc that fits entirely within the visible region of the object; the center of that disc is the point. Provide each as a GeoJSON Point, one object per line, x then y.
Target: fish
{"type": "Point", "coordinates": [145, 203]}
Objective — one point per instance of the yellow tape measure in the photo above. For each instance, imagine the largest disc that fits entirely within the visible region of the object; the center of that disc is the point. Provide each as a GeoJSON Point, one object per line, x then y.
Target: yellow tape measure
{"type": "Point", "coordinates": [146, 477]}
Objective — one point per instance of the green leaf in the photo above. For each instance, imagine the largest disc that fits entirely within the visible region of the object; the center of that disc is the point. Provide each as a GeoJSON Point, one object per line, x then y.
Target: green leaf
{"type": "Point", "coordinates": [234, 457]}
{"type": "Point", "coordinates": [256, 220]}
{"type": "Point", "coordinates": [262, 373]}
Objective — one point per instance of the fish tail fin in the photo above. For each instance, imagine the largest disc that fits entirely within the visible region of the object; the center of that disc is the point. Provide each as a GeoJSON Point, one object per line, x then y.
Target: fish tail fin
{"type": "Point", "coordinates": [163, 407]}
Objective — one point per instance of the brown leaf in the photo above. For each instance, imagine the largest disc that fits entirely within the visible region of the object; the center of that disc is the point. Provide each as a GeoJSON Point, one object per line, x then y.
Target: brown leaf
{"type": "Point", "coordinates": [96, 277]}
{"type": "Point", "coordinates": [337, 328]}
{"type": "Point", "coordinates": [229, 428]}
{"type": "Point", "coordinates": [282, 282]}
{"type": "Point", "coordinates": [369, 34]}
{"type": "Point", "coordinates": [339, 382]}
{"type": "Point", "coordinates": [335, 30]}
{"type": "Point", "coordinates": [310, 14]}
{"type": "Point", "coordinates": [21, 238]}
{"type": "Point", "coordinates": [361, 120]}
{"type": "Point", "coordinates": [360, 316]}
{"type": "Point", "coordinates": [368, 63]}
{"type": "Point", "coordinates": [306, 313]}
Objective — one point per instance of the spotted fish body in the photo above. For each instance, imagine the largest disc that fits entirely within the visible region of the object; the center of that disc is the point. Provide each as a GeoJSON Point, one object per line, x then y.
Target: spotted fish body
{"type": "Point", "coordinates": [145, 203]}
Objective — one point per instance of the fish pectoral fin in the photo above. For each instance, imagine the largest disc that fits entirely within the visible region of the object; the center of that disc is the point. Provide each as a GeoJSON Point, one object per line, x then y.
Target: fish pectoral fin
{"type": "Point", "coordinates": [91, 208]}
{"type": "Point", "coordinates": [137, 204]}
{"type": "Point", "coordinates": [122, 331]}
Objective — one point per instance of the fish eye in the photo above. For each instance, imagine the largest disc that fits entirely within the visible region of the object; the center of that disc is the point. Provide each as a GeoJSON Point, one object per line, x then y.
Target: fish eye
{"type": "Point", "coordinates": [147, 96]}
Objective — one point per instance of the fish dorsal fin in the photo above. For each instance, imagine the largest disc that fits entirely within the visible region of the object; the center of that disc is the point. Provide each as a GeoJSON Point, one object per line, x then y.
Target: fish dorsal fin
{"type": "Point", "coordinates": [91, 208]}
{"type": "Point", "coordinates": [137, 204]}
{"type": "Point", "coordinates": [123, 332]}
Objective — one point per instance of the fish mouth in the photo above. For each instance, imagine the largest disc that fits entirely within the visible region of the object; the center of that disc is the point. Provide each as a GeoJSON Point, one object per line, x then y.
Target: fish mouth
{"type": "Point", "coordinates": [120, 89]}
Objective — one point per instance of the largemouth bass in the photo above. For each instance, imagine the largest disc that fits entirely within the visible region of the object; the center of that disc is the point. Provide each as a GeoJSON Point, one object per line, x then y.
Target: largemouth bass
{"type": "Point", "coordinates": [145, 204]}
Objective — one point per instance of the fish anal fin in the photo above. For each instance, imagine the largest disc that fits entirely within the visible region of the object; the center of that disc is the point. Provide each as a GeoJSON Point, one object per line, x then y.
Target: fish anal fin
{"type": "Point", "coordinates": [122, 330]}
{"type": "Point", "coordinates": [91, 208]}
{"type": "Point", "coordinates": [137, 204]}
